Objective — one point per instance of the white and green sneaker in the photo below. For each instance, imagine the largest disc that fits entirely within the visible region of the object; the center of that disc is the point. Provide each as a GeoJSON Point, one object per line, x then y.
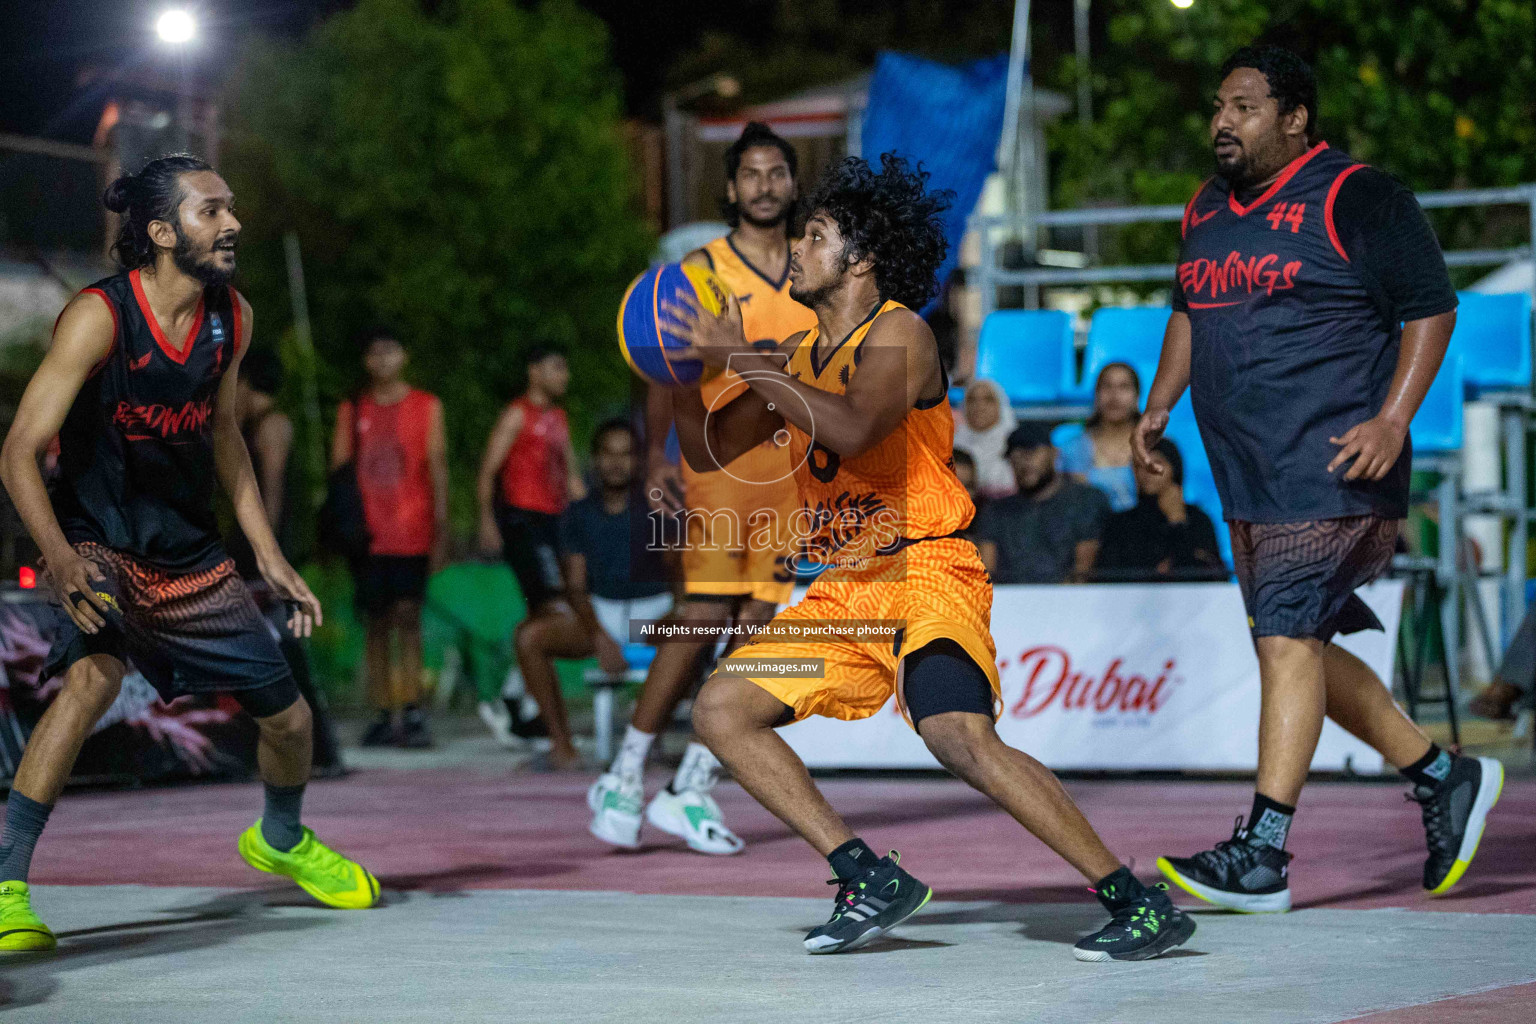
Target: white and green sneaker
{"type": "Point", "coordinates": [615, 804]}
{"type": "Point", "coordinates": [693, 816]}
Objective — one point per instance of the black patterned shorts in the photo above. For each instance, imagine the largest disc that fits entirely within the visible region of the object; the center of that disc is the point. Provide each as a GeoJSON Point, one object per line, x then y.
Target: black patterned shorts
{"type": "Point", "coordinates": [198, 632]}
{"type": "Point", "coordinates": [1299, 579]}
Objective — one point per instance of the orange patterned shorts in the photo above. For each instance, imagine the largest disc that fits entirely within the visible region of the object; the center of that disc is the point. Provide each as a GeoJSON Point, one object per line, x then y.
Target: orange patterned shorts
{"type": "Point", "coordinates": [932, 590]}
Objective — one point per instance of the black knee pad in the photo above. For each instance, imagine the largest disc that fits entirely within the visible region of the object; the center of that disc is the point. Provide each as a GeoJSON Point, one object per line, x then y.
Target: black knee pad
{"type": "Point", "coordinates": [268, 700]}
{"type": "Point", "coordinates": [941, 677]}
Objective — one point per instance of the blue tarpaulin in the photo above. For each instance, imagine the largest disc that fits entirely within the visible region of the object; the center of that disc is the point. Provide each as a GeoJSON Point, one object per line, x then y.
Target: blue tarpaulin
{"type": "Point", "coordinates": [949, 119]}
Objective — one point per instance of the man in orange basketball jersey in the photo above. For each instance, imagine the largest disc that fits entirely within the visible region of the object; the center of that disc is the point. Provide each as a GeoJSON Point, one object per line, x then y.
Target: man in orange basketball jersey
{"type": "Point", "coordinates": [735, 542]}
{"type": "Point", "coordinates": [861, 402]}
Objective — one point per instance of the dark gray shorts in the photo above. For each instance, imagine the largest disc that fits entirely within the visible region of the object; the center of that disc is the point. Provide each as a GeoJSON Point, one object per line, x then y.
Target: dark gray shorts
{"type": "Point", "coordinates": [1299, 579]}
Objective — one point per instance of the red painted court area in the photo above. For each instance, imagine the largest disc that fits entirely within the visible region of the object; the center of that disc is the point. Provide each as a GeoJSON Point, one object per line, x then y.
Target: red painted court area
{"type": "Point", "coordinates": [1357, 844]}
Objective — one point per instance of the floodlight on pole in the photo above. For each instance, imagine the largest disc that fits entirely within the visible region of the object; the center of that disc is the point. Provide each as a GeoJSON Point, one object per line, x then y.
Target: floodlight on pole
{"type": "Point", "coordinates": [176, 26]}
{"type": "Point", "coordinates": [1182, 5]}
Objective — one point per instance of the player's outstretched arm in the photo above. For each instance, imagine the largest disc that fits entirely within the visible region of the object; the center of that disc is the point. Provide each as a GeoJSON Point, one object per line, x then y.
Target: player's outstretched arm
{"type": "Point", "coordinates": [82, 338]}
{"type": "Point", "coordinates": [232, 460]}
{"type": "Point", "coordinates": [1167, 387]}
{"type": "Point", "coordinates": [898, 365]}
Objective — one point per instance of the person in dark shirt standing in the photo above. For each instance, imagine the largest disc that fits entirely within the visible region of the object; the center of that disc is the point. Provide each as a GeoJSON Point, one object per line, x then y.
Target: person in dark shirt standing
{"type": "Point", "coordinates": [1162, 538]}
{"type": "Point", "coordinates": [1312, 310]}
{"type": "Point", "coordinates": [611, 577]}
{"type": "Point", "coordinates": [1049, 531]}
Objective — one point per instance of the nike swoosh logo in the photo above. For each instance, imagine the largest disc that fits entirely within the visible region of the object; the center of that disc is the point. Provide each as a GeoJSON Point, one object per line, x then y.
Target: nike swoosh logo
{"type": "Point", "coordinates": [1195, 220]}
{"type": "Point", "coordinates": [744, 299]}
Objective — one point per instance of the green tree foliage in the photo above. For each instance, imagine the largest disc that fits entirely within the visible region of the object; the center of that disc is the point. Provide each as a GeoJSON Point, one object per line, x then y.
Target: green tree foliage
{"type": "Point", "coordinates": [1441, 93]}
{"type": "Point", "coordinates": [813, 42]}
{"type": "Point", "coordinates": [456, 170]}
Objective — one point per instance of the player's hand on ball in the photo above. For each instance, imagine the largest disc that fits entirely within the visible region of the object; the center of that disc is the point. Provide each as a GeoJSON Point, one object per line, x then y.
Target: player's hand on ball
{"type": "Point", "coordinates": [290, 586]}
{"type": "Point", "coordinates": [711, 339]}
{"type": "Point", "coordinates": [1374, 445]}
{"type": "Point", "coordinates": [1149, 431]}
{"type": "Point", "coordinates": [72, 574]}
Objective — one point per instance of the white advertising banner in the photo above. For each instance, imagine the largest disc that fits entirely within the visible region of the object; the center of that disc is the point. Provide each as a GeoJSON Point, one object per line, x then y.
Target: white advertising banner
{"type": "Point", "coordinates": [1129, 677]}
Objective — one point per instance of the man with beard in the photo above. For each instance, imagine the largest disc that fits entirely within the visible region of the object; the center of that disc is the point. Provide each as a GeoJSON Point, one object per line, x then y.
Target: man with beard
{"type": "Point", "coordinates": [140, 388]}
{"type": "Point", "coordinates": [1311, 313]}
{"type": "Point", "coordinates": [1047, 532]}
{"type": "Point", "coordinates": [864, 400]}
{"type": "Point", "coordinates": [736, 527]}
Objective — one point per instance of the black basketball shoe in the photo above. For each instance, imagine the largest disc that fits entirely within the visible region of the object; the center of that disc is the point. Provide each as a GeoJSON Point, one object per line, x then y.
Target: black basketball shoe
{"type": "Point", "coordinates": [414, 734]}
{"type": "Point", "coordinates": [1454, 813]}
{"type": "Point", "coordinates": [867, 906]}
{"type": "Point", "coordinates": [1239, 874]}
{"type": "Point", "coordinates": [1144, 923]}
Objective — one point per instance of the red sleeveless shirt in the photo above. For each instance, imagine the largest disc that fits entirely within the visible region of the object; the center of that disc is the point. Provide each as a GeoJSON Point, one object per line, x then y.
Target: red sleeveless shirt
{"type": "Point", "coordinates": [535, 475]}
{"type": "Point", "coordinates": [393, 471]}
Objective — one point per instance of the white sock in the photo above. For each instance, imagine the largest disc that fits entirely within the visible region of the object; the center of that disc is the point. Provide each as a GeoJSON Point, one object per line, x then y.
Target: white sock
{"type": "Point", "coordinates": [698, 771]}
{"type": "Point", "coordinates": [630, 762]}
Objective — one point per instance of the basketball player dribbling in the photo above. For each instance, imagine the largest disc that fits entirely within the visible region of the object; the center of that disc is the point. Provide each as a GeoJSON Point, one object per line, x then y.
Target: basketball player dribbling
{"type": "Point", "coordinates": [864, 405]}
{"type": "Point", "coordinates": [737, 543]}
{"type": "Point", "coordinates": [140, 388]}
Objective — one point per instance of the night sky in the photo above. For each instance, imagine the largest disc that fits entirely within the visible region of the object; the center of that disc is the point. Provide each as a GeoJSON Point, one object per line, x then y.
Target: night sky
{"type": "Point", "coordinates": [50, 49]}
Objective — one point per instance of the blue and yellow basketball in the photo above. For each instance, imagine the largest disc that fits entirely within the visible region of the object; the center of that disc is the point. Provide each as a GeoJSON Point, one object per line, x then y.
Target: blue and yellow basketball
{"type": "Point", "coordinates": [645, 331]}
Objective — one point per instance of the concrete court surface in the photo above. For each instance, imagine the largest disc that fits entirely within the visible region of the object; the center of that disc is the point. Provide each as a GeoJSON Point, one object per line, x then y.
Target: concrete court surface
{"type": "Point", "coordinates": [502, 908]}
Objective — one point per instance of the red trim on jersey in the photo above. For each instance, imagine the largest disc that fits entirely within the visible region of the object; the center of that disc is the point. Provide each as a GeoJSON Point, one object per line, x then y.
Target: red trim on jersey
{"type": "Point", "coordinates": [1189, 207]}
{"type": "Point", "coordinates": [154, 325]}
{"type": "Point", "coordinates": [234, 314]}
{"type": "Point", "coordinates": [1285, 176]}
{"type": "Point", "coordinates": [1333, 193]}
{"type": "Point", "coordinates": [117, 328]}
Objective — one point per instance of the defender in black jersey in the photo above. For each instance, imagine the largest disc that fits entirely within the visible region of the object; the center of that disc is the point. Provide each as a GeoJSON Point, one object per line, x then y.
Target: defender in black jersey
{"type": "Point", "coordinates": [139, 387]}
{"type": "Point", "coordinates": [1312, 310]}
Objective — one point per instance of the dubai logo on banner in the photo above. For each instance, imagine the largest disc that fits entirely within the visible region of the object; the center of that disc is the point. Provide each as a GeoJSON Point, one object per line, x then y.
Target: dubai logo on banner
{"type": "Point", "coordinates": [1118, 677]}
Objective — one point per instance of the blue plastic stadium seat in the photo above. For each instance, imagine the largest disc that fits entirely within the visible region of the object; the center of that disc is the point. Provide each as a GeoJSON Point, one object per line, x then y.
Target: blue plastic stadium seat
{"type": "Point", "coordinates": [1028, 352]}
{"type": "Point", "coordinates": [1122, 335]}
{"type": "Point", "coordinates": [1065, 434]}
{"type": "Point", "coordinates": [1436, 428]}
{"type": "Point", "coordinates": [1493, 335]}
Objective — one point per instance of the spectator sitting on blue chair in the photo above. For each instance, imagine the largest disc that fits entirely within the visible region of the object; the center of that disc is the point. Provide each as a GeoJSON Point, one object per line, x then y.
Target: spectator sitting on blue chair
{"type": "Point", "coordinates": [1161, 539]}
{"type": "Point", "coordinates": [613, 575]}
{"type": "Point", "coordinates": [1101, 454]}
{"type": "Point", "coordinates": [982, 432]}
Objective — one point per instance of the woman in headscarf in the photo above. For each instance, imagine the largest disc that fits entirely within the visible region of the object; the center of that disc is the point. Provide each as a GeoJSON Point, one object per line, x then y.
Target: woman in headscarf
{"type": "Point", "coordinates": [983, 431]}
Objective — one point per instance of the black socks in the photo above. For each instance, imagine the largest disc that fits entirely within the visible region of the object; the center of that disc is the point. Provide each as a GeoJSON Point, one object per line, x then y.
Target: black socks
{"type": "Point", "coordinates": [1118, 887]}
{"type": "Point", "coordinates": [852, 858]}
{"type": "Point", "coordinates": [1269, 822]}
{"type": "Point", "coordinates": [24, 821]}
{"type": "Point", "coordinates": [280, 820]}
{"type": "Point", "coordinates": [1431, 769]}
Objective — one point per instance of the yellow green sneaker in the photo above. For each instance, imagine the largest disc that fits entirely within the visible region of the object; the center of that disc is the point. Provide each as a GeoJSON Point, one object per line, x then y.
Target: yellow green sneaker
{"type": "Point", "coordinates": [319, 870]}
{"type": "Point", "coordinates": [21, 931]}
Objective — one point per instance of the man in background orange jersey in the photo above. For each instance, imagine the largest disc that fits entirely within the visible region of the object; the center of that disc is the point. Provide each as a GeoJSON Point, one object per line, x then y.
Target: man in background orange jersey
{"type": "Point", "coordinates": [736, 544]}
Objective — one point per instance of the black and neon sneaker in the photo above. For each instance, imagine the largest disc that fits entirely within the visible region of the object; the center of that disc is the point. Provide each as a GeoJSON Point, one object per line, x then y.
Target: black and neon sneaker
{"type": "Point", "coordinates": [1143, 924]}
{"type": "Point", "coordinates": [867, 906]}
{"type": "Point", "coordinates": [1454, 814]}
{"type": "Point", "coordinates": [1239, 874]}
